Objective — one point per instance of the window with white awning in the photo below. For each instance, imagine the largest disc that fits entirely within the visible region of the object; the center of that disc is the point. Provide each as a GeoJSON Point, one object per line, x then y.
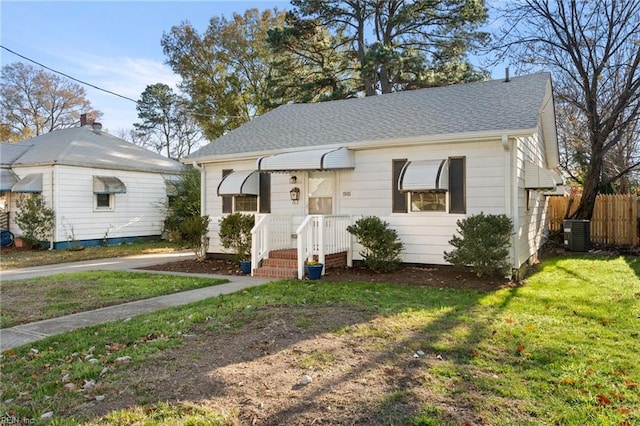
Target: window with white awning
{"type": "Point", "coordinates": [423, 176]}
{"type": "Point", "coordinates": [171, 183]}
{"type": "Point", "coordinates": [108, 185]}
{"type": "Point", "coordinates": [535, 177]}
{"type": "Point", "coordinates": [315, 159]}
{"type": "Point", "coordinates": [429, 185]}
{"type": "Point", "coordinates": [241, 182]}
{"type": "Point", "coordinates": [29, 183]}
{"type": "Point", "coordinates": [7, 180]}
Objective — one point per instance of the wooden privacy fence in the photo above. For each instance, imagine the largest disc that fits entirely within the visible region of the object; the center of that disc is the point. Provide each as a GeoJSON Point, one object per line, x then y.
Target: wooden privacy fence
{"type": "Point", "coordinates": [614, 220]}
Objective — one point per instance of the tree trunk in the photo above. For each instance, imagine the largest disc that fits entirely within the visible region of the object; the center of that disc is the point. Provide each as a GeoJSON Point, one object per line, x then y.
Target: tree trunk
{"type": "Point", "coordinates": [385, 84]}
{"type": "Point", "coordinates": [591, 185]}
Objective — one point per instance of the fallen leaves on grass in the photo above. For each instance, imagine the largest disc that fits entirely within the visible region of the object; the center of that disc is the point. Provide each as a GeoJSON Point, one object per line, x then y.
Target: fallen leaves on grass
{"type": "Point", "coordinates": [604, 400]}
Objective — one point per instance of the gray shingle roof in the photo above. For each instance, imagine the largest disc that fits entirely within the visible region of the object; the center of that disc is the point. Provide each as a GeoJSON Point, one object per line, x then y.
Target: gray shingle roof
{"type": "Point", "coordinates": [81, 146]}
{"type": "Point", "coordinates": [11, 152]}
{"type": "Point", "coordinates": [485, 106]}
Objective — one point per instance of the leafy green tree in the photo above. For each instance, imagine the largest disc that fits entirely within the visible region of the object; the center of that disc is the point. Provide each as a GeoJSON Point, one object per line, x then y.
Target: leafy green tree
{"type": "Point", "coordinates": [413, 40]}
{"type": "Point", "coordinates": [310, 64]}
{"type": "Point", "coordinates": [593, 50]}
{"type": "Point", "coordinates": [224, 70]}
{"type": "Point", "coordinates": [183, 218]}
{"type": "Point", "coordinates": [166, 123]}
{"type": "Point", "coordinates": [33, 102]}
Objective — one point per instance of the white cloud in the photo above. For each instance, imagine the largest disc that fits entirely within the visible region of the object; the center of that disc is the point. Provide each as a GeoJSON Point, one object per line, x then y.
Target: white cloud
{"type": "Point", "coordinates": [125, 76]}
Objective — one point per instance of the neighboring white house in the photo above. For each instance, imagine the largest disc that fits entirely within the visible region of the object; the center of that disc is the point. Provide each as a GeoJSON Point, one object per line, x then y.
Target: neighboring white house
{"type": "Point", "coordinates": [102, 189]}
{"type": "Point", "coordinates": [420, 160]}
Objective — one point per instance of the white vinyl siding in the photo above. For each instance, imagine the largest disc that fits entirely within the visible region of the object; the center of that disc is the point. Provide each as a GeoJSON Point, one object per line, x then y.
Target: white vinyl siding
{"type": "Point", "coordinates": [426, 234]}
{"type": "Point", "coordinates": [136, 213]}
{"type": "Point", "coordinates": [532, 204]}
{"type": "Point", "coordinates": [366, 190]}
{"type": "Point", "coordinates": [47, 193]}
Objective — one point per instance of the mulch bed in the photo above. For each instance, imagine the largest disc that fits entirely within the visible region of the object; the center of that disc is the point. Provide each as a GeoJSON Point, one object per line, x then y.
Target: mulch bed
{"type": "Point", "coordinates": [434, 276]}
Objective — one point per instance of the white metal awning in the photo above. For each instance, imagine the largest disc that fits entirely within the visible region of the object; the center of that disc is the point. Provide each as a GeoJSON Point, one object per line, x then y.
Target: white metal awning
{"type": "Point", "coordinates": [108, 185]}
{"type": "Point", "coordinates": [241, 182]}
{"type": "Point", "coordinates": [424, 175]}
{"type": "Point", "coordinates": [535, 177]}
{"type": "Point", "coordinates": [315, 159]}
{"type": "Point", "coordinates": [171, 183]}
{"type": "Point", "coordinates": [29, 183]}
{"type": "Point", "coordinates": [7, 180]}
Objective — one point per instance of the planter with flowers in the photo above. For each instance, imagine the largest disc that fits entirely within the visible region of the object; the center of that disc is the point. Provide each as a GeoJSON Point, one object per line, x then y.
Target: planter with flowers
{"type": "Point", "coordinates": [314, 269]}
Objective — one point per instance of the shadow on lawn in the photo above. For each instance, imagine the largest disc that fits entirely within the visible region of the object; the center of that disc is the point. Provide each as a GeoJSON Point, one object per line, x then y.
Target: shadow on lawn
{"type": "Point", "coordinates": [634, 264]}
{"type": "Point", "coordinates": [364, 360]}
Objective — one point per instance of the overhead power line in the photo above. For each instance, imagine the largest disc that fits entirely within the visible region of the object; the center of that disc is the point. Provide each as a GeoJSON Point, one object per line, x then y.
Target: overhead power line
{"type": "Point", "coordinates": [105, 90]}
{"type": "Point", "coordinates": [69, 77]}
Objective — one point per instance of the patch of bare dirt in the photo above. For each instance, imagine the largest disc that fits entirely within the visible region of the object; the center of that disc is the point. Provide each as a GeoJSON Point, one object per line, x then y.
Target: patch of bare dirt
{"type": "Point", "coordinates": [359, 376]}
{"type": "Point", "coordinates": [434, 276]}
{"type": "Point", "coordinates": [255, 372]}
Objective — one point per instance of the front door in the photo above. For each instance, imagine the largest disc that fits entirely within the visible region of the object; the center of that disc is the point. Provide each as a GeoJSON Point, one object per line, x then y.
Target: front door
{"type": "Point", "coordinates": [321, 192]}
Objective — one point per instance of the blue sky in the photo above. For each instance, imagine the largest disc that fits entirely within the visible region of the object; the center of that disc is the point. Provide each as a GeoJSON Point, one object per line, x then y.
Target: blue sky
{"type": "Point", "coordinates": [114, 45]}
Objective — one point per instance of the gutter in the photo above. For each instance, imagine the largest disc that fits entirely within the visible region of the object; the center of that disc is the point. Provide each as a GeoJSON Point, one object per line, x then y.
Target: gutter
{"type": "Point", "coordinates": [371, 144]}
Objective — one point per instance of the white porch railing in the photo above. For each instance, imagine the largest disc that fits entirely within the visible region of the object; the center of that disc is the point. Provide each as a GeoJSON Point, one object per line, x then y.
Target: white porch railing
{"type": "Point", "coordinates": [322, 235]}
{"type": "Point", "coordinates": [270, 232]}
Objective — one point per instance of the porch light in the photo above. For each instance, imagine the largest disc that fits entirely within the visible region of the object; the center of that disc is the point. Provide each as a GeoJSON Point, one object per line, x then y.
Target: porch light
{"type": "Point", "coordinates": [295, 194]}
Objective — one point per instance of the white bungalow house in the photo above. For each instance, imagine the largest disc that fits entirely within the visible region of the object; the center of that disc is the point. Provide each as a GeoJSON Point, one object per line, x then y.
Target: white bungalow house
{"type": "Point", "coordinates": [420, 160]}
{"type": "Point", "coordinates": [102, 189]}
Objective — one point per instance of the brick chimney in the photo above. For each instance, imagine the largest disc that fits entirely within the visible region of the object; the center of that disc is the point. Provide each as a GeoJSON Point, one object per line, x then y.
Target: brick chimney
{"type": "Point", "coordinates": [87, 119]}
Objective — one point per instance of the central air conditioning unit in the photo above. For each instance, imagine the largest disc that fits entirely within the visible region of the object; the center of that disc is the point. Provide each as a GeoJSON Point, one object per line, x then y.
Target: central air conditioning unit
{"type": "Point", "coordinates": [577, 235]}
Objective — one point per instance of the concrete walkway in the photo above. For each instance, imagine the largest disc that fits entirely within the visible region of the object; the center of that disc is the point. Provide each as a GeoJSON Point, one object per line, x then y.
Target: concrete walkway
{"type": "Point", "coordinates": [27, 333]}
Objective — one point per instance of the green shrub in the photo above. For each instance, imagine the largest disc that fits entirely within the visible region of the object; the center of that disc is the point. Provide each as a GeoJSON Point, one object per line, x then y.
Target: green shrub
{"type": "Point", "coordinates": [381, 244]}
{"type": "Point", "coordinates": [184, 204]}
{"type": "Point", "coordinates": [235, 233]}
{"type": "Point", "coordinates": [483, 244]}
{"type": "Point", "coordinates": [193, 231]}
{"type": "Point", "coordinates": [34, 218]}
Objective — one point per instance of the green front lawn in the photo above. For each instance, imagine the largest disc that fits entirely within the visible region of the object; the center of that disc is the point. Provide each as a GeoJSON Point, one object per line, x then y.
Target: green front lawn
{"type": "Point", "coordinates": [13, 258]}
{"type": "Point", "coordinates": [28, 300]}
{"type": "Point", "coordinates": [561, 349]}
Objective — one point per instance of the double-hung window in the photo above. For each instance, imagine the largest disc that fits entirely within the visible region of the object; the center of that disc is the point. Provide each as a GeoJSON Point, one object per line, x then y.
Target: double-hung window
{"type": "Point", "coordinates": [429, 185]}
{"type": "Point", "coordinates": [245, 191]}
{"type": "Point", "coordinates": [104, 189]}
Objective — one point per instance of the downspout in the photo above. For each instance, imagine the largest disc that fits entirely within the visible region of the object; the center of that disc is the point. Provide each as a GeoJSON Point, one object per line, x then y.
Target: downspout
{"type": "Point", "coordinates": [54, 205]}
{"type": "Point", "coordinates": [515, 218]}
{"type": "Point", "coordinates": [203, 199]}
{"type": "Point", "coordinates": [203, 178]}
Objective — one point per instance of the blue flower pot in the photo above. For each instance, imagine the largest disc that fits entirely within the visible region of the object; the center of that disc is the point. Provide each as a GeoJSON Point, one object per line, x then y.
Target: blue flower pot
{"type": "Point", "coordinates": [245, 266]}
{"type": "Point", "coordinates": [315, 271]}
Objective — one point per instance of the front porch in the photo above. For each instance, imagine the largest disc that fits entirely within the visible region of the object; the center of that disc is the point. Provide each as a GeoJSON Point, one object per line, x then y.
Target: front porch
{"type": "Point", "coordinates": [280, 251]}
